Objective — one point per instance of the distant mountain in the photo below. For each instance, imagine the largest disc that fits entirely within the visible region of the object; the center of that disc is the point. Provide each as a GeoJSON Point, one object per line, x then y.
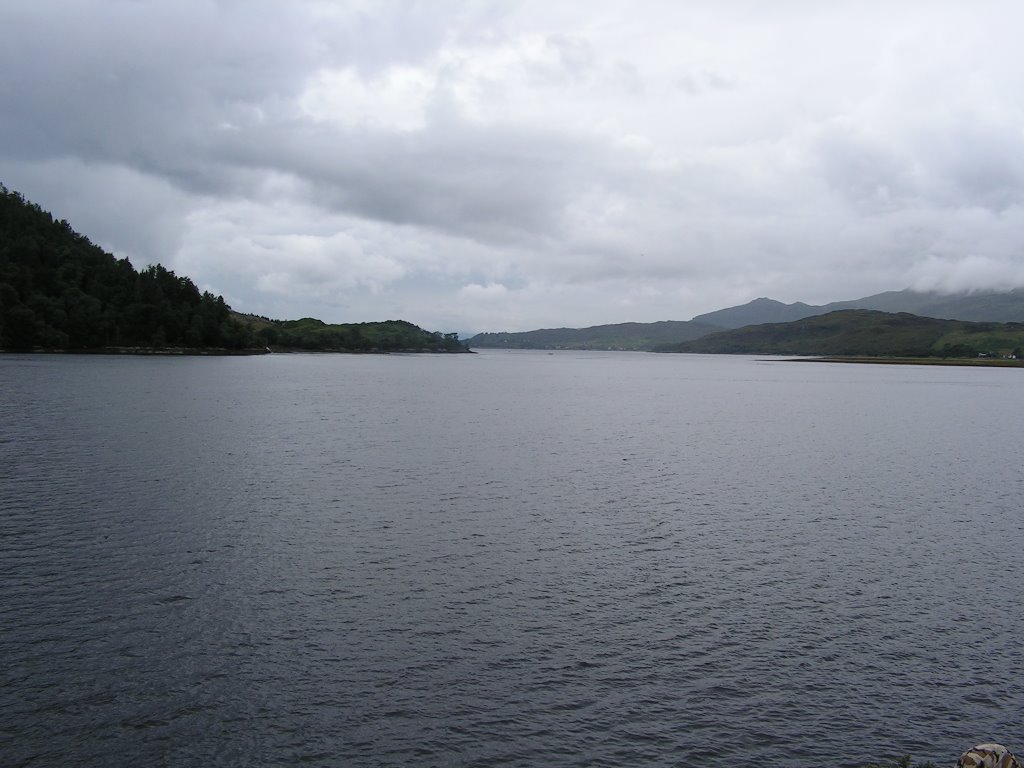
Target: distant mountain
{"type": "Point", "coordinates": [621, 336]}
{"type": "Point", "coordinates": [864, 332]}
{"type": "Point", "coordinates": [978, 306]}
{"type": "Point", "coordinates": [756, 312]}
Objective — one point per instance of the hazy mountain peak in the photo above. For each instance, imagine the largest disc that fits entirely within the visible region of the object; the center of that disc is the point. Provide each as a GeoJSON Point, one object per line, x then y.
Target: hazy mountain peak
{"type": "Point", "coordinates": [978, 306]}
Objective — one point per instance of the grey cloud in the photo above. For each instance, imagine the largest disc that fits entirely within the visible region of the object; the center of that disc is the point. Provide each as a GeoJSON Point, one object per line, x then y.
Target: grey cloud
{"type": "Point", "coordinates": [702, 81]}
{"type": "Point", "coordinates": [458, 180]}
{"type": "Point", "coordinates": [982, 164]}
{"type": "Point", "coordinates": [144, 86]}
{"type": "Point", "coordinates": [967, 162]}
{"type": "Point", "coordinates": [134, 215]}
{"type": "Point", "coordinates": [603, 155]}
{"type": "Point", "coordinates": [866, 171]}
{"type": "Point", "coordinates": [186, 98]}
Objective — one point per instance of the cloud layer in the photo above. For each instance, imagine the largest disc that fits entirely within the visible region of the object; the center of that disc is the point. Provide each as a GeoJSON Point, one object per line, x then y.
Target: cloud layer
{"type": "Point", "coordinates": [505, 166]}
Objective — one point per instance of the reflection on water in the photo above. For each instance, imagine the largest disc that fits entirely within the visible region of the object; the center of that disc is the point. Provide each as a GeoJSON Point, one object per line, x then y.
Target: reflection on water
{"type": "Point", "coordinates": [507, 558]}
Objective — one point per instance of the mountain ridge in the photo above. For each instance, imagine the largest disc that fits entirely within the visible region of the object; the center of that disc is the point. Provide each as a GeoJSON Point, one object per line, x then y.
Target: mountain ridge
{"type": "Point", "coordinates": [971, 306]}
{"type": "Point", "coordinates": [974, 306]}
{"type": "Point", "coordinates": [865, 332]}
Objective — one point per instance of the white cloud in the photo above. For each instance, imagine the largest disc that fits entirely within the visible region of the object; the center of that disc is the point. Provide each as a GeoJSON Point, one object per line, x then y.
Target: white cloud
{"type": "Point", "coordinates": [395, 99]}
{"type": "Point", "coordinates": [481, 165]}
{"type": "Point", "coordinates": [972, 272]}
{"type": "Point", "coordinates": [476, 292]}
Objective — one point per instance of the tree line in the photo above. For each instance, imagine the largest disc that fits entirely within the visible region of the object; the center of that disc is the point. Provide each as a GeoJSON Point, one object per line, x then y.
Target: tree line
{"type": "Point", "coordinates": [388, 336]}
{"type": "Point", "coordinates": [60, 291]}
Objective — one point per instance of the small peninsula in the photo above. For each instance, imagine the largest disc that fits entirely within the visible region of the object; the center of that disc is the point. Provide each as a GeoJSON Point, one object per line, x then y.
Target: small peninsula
{"type": "Point", "coordinates": [59, 292]}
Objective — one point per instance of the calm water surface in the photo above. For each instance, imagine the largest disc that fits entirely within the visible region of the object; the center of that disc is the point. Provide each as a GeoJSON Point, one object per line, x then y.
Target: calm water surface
{"type": "Point", "coordinates": [514, 559]}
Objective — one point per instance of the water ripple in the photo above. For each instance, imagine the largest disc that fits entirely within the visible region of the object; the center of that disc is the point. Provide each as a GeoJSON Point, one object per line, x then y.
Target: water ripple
{"type": "Point", "coordinates": [504, 560]}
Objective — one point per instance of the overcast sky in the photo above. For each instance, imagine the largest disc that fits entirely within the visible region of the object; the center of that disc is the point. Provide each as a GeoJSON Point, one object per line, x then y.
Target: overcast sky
{"type": "Point", "coordinates": [485, 166]}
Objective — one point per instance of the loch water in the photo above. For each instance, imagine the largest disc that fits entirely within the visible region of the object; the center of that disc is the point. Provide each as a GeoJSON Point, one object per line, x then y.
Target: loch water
{"type": "Point", "coordinates": [507, 559]}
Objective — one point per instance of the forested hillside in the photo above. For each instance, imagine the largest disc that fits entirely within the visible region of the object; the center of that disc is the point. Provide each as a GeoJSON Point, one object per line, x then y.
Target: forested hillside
{"type": "Point", "coordinates": [867, 333]}
{"type": "Point", "coordinates": [625, 336]}
{"type": "Point", "coordinates": [312, 334]}
{"type": "Point", "coordinates": [59, 291]}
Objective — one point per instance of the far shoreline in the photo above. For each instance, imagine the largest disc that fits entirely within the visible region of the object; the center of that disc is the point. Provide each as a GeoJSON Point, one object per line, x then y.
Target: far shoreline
{"type": "Point", "coordinates": [980, 362]}
{"type": "Point", "coordinates": [221, 352]}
